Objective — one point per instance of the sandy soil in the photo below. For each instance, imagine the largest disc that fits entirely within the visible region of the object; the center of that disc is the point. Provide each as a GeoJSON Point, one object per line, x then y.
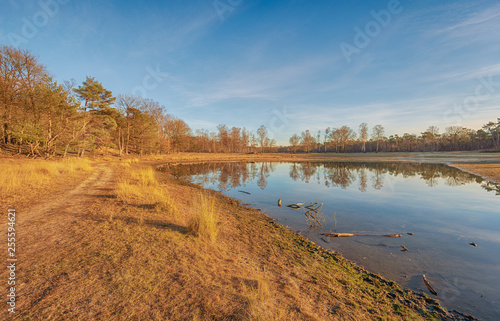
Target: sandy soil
{"type": "Point", "coordinates": [43, 225]}
{"type": "Point", "coordinates": [488, 171]}
{"type": "Point", "coordinates": [42, 229]}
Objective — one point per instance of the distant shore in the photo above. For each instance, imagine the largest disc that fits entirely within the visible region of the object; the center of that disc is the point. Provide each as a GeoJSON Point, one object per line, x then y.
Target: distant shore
{"type": "Point", "coordinates": [486, 165]}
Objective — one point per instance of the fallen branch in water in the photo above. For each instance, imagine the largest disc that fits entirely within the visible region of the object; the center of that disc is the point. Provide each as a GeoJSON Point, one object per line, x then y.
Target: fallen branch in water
{"type": "Point", "coordinates": [295, 205]}
{"type": "Point", "coordinates": [352, 234]}
{"type": "Point", "coordinates": [431, 289]}
{"type": "Point", "coordinates": [244, 192]}
{"type": "Point", "coordinates": [339, 234]}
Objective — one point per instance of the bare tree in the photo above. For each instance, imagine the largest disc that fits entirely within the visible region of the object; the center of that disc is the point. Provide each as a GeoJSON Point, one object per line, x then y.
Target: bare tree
{"type": "Point", "coordinates": [235, 139]}
{"type": "Point", "coordinates": [245, 140]}
{"type": "Point", "coordinates": [295, 141]}
{"type": "Point", "coordinates": [326, 137]}
{"type": "Point", "coordinates": [345, 135]}
{"type": "Point", "coordinates": [307, 140]}
{"type": "Point", "coordinates": [431, 137]}
{"type": "Point", "coordinates": [378, 134]}
{"type": "Point", "coordinates": [363, 136]}
{"type": "Point", "coordinates": [223, 137]}
{"type": "Point", "coordinates": [126, 104]}
{"type": "Point", "coordinates": [262, 132]}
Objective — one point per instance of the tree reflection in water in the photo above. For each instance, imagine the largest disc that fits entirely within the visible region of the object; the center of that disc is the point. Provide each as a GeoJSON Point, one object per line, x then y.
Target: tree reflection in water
{"type": "Point", "coordinates": [227, 175]}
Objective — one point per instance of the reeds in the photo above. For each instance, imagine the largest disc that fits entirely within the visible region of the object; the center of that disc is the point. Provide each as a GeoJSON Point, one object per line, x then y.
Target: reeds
{"type": "Point", "coordinates": [203, 222]}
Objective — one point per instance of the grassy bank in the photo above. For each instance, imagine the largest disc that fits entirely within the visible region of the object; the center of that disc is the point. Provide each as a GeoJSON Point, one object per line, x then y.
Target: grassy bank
{"type": "Point", "coordinates": [153, 248]}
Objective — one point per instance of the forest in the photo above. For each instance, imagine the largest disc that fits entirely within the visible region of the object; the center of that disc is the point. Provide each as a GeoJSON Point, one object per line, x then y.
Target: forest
{"type": "Point", "coordinates": [43, 118]}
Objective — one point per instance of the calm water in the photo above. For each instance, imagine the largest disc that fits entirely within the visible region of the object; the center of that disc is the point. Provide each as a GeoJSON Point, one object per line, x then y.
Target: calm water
{"type": "Point", "coordinates": [445, 209]}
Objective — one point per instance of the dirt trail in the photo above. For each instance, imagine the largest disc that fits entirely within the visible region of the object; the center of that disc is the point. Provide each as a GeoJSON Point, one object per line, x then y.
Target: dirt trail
{"type": "Point", "coordinates": [41, 227]}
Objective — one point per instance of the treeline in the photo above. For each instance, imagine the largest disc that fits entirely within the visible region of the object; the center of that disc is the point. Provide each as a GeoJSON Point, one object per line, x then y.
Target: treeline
{"type": "Point", "coordinates": [41, 117]}
{"type": "Point", "coordinates": [345, 139]}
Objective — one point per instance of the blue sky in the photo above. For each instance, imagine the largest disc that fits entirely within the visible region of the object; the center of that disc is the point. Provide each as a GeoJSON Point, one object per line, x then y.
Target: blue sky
{"type": "Point", "coordinates": [289, 65]}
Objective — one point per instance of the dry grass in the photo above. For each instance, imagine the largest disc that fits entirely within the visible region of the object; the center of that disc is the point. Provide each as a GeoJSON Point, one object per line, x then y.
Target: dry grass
{"type": "Point", "coordinates": [23, 179]}
{"type": "Point", "coordinates": [258, 300]}
{"type": "Point", "coordinates": [204, 220]}
{"type": "Point", "coordinates": [128, 161]}
{"type": "Point", "coordinates": [140, 187]}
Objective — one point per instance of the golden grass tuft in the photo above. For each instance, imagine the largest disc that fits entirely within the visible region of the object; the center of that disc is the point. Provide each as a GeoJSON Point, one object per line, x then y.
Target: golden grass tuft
{"type": "Point", "coordinates": [203, 222]}
{"type": "Point", "coordinates": [258, 297]}
{"type": "Point", "coordinates": [145, 177]}
{"type": "Point", "coordinates": [140, 187]}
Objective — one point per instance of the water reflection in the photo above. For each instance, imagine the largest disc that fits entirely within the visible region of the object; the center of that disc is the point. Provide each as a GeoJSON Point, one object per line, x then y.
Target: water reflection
{"type": "Point", "coordinates": [437, 209]}
{"type": "Point", "coordinates": [333, 174]}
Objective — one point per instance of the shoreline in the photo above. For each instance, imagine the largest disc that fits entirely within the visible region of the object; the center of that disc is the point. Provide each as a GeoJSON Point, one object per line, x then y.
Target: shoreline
{"type": "Point", "coordinates": [256, 270]}
{"type": "Point", "coordinates": [410, 296]}
{"type": "Point", "coordinates": [476, 164]}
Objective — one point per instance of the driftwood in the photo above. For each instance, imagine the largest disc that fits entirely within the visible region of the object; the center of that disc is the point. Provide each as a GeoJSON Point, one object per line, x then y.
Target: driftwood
{"type": "Point", "coordinates": [429, 286]}
{"type": "Point", "coordinates": [244, 192]}
{"type": "Point", "coordinates": [295, 205]}
{"type": "Point", "coordinates": [313, 208]}
{"type": "Point", "coordinates": [339, 234]}
{"type": "Point", "coordinates": [311, 212]}
{"type": "Point", "coordinates": [279, 202]}
{"type": "Point", "coordinates": [404, 249]}
{"type": "Point", "coordinates": [352, 234]}
{"type": "Point", "coordinates": [473, 244]}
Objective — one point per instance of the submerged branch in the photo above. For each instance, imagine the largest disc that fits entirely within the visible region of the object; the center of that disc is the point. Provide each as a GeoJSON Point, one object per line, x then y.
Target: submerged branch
{"type": "Point", "coordinates": [352, 234]}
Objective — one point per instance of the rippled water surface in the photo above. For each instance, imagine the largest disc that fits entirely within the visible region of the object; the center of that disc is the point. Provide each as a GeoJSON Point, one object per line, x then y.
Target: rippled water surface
{"type": "Point", "coordinates": [439, 210]}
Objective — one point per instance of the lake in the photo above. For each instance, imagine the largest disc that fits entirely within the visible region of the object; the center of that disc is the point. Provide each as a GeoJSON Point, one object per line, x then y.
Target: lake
{"type": "Point", "coordinates": [439, 210]}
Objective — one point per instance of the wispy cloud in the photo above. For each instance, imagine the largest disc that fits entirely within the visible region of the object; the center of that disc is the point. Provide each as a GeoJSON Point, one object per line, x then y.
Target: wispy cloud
{"type": "Point", "coordinates": [486, 71]}
{"type": "Point", "coordinates": [268, 84]}
{"type": "Point", "coordinates": [486, 18]}
{"type": "Point", "coordinates": [475, 26]}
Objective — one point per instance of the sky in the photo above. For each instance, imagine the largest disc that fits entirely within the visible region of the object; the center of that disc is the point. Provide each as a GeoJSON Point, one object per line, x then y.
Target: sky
{"type": "Point", "coordinates": [288, 65]}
